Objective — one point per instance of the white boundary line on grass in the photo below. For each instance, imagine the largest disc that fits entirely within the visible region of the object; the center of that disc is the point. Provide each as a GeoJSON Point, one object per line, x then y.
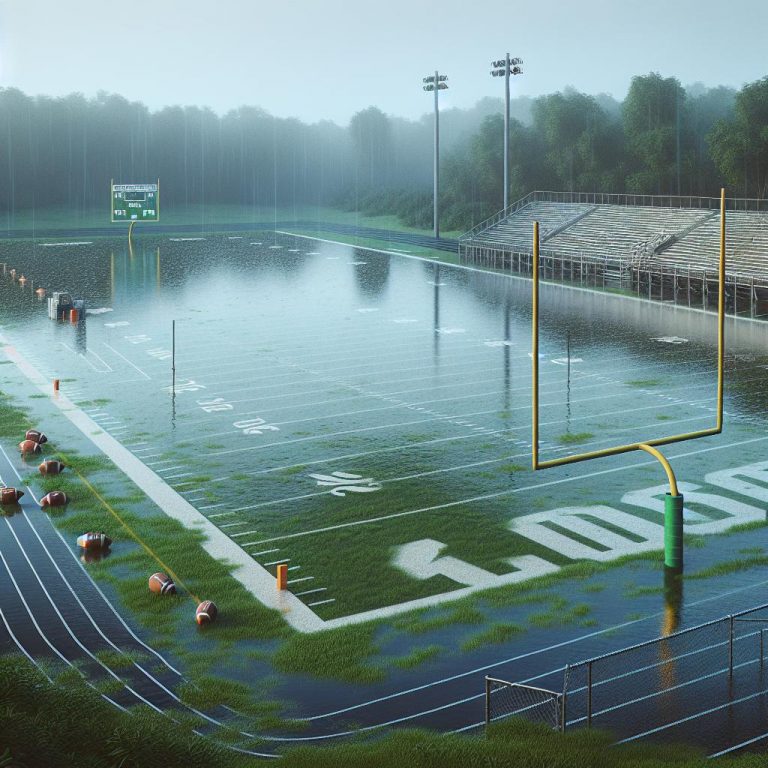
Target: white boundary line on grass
{"type": "Point", "coordinates": [257, 580]}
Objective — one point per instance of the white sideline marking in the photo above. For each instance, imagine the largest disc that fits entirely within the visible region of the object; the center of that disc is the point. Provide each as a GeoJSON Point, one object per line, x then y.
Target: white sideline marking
{"type": "Point", "coordinates": [322, 602]}
{"type": "Point", "coordinates": [265, 552]}
{"type": "Point", "coordinates": [257, 580]}
{"type": "Point", "coordinates": [517, 278]}
{"type": "Point", "coordinates": [277, 562]}
{"type": "Point", "coordinates": [303, 578]}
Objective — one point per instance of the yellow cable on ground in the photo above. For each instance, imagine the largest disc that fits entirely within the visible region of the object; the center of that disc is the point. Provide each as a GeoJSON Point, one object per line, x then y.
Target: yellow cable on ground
{"type": "Point", "coordinates": [130, 530]}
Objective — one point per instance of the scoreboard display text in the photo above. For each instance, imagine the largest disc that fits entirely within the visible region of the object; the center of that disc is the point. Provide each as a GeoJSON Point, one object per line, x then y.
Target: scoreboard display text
{"type": "Point", "coordinates": [135, 202]}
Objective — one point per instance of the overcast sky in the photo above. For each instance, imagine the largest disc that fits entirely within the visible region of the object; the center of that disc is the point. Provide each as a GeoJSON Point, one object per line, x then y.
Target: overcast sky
{"type": "Point", "coordinates": [326, 59]}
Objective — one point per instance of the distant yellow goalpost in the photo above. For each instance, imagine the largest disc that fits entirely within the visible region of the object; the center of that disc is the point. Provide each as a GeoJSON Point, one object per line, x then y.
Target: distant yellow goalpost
{"type": "Point", "coordinates": [673, 507]}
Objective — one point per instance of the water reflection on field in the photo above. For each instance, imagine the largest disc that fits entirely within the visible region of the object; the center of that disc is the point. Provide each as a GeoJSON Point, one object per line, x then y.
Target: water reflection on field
{"type": "Point", "coordinates": [338, 404]}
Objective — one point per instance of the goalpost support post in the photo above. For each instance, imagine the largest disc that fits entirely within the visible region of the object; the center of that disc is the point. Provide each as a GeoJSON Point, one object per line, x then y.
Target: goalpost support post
{"type": "Point", "coordinates": [673, 502]}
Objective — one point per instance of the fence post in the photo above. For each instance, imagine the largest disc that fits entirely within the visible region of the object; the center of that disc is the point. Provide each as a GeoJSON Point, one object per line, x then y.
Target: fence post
{"type": "Point", "coordinates": [487, 701]}
{"type": "Point", "coordinates": [566, 675]}
{"type": "Point", "coordinates": [730, 647]}
{"type": "Point", "coordinates": [589, 694]}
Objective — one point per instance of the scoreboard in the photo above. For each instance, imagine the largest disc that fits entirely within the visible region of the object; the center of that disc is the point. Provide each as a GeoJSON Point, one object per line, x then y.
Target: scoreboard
{"type": "Point", "coordinates": [135, 202]}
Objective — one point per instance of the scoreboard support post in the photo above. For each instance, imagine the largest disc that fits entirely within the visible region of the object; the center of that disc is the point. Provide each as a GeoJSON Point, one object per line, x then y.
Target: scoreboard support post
{"type": "Point", "coordinates": [134, 202]}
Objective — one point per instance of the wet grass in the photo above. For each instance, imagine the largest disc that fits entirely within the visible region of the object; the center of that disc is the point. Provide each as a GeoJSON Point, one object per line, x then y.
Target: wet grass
{"type": "Point", "coordinates": [643, 383]}
{"type": "Point", "coordinates": [559, 616]}
{"type": "Point", "coordinates": [573, 438]}
{"type": "Point", "coordinates": [495, 634]}
{"type": "Point", "coordinates": [346, 653]}
{"type": "Point", "coordinates": [729, 566]}
{"type": "Point", "coordinates": [417, 623]}
{"type": "Point", "coordinates": [417, 657]}
{"type": "Point", "coordinates": [48, 724]}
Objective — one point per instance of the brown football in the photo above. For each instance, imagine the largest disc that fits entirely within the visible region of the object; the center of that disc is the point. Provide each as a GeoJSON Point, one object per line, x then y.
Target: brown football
{"type": "Point", "coordinates": [161, 584]}
{"type": "Point", "coordinates": [10, 495]}
{"type": "Point", "coordinates": [54, 499]}
{"type": "Point", "coordinates": [92, 540]}
{"type": "Point", "coordinates": [206, 612]}
{"type": "Point", "coordinates": [29, 446]}
{"type": "Point", "coordinates": [51, 467]}
{"type": "Point", "coordinates": [38, 437]}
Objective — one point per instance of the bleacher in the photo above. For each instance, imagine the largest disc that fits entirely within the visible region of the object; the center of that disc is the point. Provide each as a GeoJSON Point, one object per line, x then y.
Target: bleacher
{"type": "Point", "coordinates": [515, 231]}
{"type": "Point", "coordinates": [642, 236]}
{"type": "Point", "coordinates": [623, 232]}
{"type": "Point", "coordinates": [746, 246]}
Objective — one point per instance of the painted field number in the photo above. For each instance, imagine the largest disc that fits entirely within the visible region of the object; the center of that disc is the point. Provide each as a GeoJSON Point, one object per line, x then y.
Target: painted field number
{"type": "Point", "coordinates": [255, 426]}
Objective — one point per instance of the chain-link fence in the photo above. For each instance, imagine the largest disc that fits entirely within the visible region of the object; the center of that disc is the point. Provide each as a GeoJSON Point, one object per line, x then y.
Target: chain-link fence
{"type": "Point", "coordinates": [504, 699]}
{"type": "Point", "coordinates": [706, 684]}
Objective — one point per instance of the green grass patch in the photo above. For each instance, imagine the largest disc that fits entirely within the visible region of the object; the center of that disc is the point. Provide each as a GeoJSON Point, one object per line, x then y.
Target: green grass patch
{"type": "Point", "coordinates": [496, 633]}
{"type": "Point", "coordinates": [729, 566]}
{"type": "Point", "coordinates": [342, 653]}
{"type": "Point", "coordinates": [572, 438]}
{"type": "Point", "coordinates": [417, 657]}
{"type": "Point", "coordinates": [559, 617]}
{"type": "Point", "coordinates": [642, 383]}
{"type": "Point", "coordinates": [416, 623]}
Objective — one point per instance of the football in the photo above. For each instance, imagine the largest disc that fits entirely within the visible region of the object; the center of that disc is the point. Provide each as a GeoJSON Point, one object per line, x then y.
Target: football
{"type": "Point", "coordinates": [37, 437]}
{"type": "Point", "coordinates": [206, 612]}
{"type": "Point", "coordinates": [54, 499]}
{"type": "Point", "coordinates": [93, 541]}
{"type": "Point", "coordinates": [29, 446]}
{"type": "Point", "coordinates": [161, 584]}
{"type": "Point", "coordinates": [51, 467]}
{"type": "Point", "coordinates": [10, 495]}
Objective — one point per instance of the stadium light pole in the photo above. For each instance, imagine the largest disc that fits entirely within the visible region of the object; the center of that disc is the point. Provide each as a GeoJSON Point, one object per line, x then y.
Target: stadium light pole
{"type": "Point", "coordinates": [506, 67]}
{"type": "Point", "coordinates": [436, 83]}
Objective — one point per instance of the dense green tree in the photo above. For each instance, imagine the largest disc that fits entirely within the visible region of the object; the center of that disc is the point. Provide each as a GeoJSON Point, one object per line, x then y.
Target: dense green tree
{"type": "Point", "coordinates": [653, 117]}
{"type": "Point", "coordinates": [372, 138]}
{"type": "Point", "coordinates": [705, 108]}
{"type": "Point", "coordinates": [581, 142]}
{"type": "Point", "coordinates": [740, 146]}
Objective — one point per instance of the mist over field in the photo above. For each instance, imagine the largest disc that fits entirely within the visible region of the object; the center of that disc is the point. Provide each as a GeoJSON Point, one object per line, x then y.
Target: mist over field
{"type": "Point", "coordinates": [663, 138]}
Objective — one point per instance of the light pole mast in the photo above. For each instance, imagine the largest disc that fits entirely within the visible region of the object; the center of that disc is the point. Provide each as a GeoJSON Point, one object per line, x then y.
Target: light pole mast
{"type": "Point", "coordinates": [436, 82]}
{"type": "Point", "coordinates": [506, 67]}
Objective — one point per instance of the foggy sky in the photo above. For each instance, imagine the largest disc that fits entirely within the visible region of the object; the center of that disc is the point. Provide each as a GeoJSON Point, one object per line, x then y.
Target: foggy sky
{"type": "Point", "coordinates": [326, 59]}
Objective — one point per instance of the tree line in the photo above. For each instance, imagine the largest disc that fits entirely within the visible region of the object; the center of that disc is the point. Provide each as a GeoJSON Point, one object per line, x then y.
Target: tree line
{"type": "Point", "coordinates": [662, 139]}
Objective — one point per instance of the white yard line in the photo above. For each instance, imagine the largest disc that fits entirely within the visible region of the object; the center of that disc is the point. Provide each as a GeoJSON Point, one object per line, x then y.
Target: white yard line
{"type": "Point", "coordinates": [500, 494]}
{"type": "Point", "coordinates": [120, 355]}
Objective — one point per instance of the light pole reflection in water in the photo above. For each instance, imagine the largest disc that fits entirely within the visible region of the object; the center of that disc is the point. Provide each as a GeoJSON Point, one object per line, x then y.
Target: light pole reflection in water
{"type": "Point", "coordinates": [507, 355]}
{"type": "Point", "coordinates": [436, 315]}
